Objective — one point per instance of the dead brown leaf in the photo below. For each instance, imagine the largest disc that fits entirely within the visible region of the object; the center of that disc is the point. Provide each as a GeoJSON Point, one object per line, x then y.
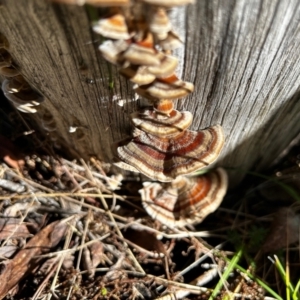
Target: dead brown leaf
{"type": "Point", "coordinates": [13, 228]}
{"type": "Point", "coordinates": [26, 259]}
{"type": "Point", "coordinates": [97, 253]}
{"type": "Point", "coordinates": [145, 239]}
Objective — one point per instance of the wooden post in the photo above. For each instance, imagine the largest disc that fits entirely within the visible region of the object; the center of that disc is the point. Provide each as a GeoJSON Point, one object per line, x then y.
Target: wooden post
{"type": "Point", "coordinates": [242, 56]}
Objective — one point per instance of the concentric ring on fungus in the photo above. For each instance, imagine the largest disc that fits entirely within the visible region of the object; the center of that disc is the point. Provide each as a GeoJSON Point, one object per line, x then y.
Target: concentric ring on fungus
{"type": "Point", "coordinates": [164, 159]}
{"type": "Point", "coordinates": [114, 27]}
{"type": "Point", "coordinates": [160, 23]}
{"type": "Point", "coordinates": [138, 74]}
{"type": "Point", "coordinates": [161, 125]}
{"type": "Point", "coordinates": [186, 200]}
{"type": "Point", "coordinates": [165, 88]}
{"type": "Point", "coordinates": [112, 50]}
{"type": "Point", "coordinates": [140, 55]}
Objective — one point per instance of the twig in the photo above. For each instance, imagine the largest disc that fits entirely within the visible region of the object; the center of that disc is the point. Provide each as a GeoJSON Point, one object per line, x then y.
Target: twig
{"type": "Point", "coordinates": [69, 251]}
{"type": "Point", "coordinates": [137, 265]}
{"type": "Point", "coordinates": [44, 282]}
{"type": "Point", "coordinates": [66, 245]}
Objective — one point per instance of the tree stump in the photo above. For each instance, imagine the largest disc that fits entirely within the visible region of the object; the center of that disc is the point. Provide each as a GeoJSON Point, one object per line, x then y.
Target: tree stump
{"type": "Point", "coordinates": [243, 58]}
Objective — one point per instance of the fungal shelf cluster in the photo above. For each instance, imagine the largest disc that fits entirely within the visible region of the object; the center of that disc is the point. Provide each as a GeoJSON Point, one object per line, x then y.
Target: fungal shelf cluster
{"type": "Point", "coordinates": [15, 88]}
{"type": "Point", "coordinates": [140, 39]}
{"type": "Point", "coordinates": [21, 95]}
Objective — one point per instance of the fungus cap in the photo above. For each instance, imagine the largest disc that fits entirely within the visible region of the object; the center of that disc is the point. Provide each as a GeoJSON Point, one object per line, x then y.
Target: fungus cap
{"type": "Point", "coordinates": [125, 166]}
{"type": "Point", "coordinates": [114, 27]}
{"type": "Point", "coordinates": [167, 67]}
{"type": "Point", "coordinates": [185, 200]}
{"type": "Point", "coordinates": [161, 125]}
{"type": "Point", "coordinates": [171, 42]}
{"type": "Point", "coordinates": [160, 23]}
{"type": "Point", "coordinates": [9, 71]}
{"type": "Point", "coordinates": [15, 84]}
{"type": "Point", "coordinates": [166, 88]}
{"type": "Point", "coordinates": [111, 51]}
{"type": "Point", "coordinates": [26, 109]}
{"type": "Point", "coordinates": [22, 98]}
{"type": "Point", "coordinates": [164, 159]}
{"type": "Point", "coordinates": [138, 74]}
{"type": "Point", "coordinates": [140, 55]}
{"type": "Point", "coordinates": [163, 106]}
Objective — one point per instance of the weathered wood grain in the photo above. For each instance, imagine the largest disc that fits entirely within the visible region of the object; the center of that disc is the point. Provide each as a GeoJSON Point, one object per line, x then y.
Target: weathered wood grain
{"type": "Point", "coordinates": [243, 57]}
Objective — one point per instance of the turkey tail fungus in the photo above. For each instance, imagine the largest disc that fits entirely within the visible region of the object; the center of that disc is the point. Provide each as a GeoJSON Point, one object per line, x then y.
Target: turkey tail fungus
{"type": "Point", "coordinates": [161, 146]}
{"type": "Point", "coordinates": [185, 200]}
{"type": "Point", "coordinates": [140, 38]}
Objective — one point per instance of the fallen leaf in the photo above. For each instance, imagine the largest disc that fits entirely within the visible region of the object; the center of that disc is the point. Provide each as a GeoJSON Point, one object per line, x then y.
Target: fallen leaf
{"type": "Point", "coordinates": [8, 251]}
{"type": "Point", "coordinates": [13, 228]}
{"type": "Point", "coordinates": [146, 240]}
{"type": "Point", "coordinates": [26, 259]}
{"type": "Point", "coordinates": [93, 255]}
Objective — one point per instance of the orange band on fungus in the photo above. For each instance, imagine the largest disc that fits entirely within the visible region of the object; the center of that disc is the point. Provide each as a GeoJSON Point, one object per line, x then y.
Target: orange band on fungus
{"type": "Point", "coordinates": [164, 106]}
{"type": "Point", "coordinates": [185, 200]}
{"type": "Point", "coordinates": [164, 159]}
{"type": "Point", "coordinates": [114, 27]}
{"type": "Point", "coordinates": [167, 126]}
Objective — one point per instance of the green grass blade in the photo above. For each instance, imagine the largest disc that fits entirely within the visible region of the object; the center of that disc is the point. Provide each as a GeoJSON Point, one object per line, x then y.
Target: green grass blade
{"type": "Point", "coordinates": [232, 264]}
{"type": "Point", "coordinates": [111, 79]}
{"type": "Point", "coordinates": [257, 280]}
{"type": "Point", "coordinates": [296, 291]}
{"type": "Point", "coordinates": [286, 278]}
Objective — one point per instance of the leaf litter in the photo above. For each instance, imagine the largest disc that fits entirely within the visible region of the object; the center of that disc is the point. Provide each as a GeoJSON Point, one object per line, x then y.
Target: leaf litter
{"type": "Point", "coordinates": [70, 231]}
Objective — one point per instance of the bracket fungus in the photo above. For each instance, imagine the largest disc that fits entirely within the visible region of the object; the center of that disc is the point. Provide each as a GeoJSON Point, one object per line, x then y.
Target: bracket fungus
{"type": "Point", "coordinates": [21, 95]}
{"type": "Point", "coordinates": [160, 23]}
{"type": "Point", "coordinates": [186, 200]}
{"type": "Point", "coordinates": [171, 42]}
{"type": "Point", "coordinates": [114, 27]}
{"type": "Point", "coordinates": [161, 145]}
{"type": "Point", "coordinates": [164, 159]}
{"type": "Point", "coordinates": [111, 51]}
{"type": "Point", "coordinates": [143, 75]}
{"type": "Point", "coordinates": [163, 106]}
{"type": "Point", "coordinates": [167, 67]}
{"type": "Point", "coordinates": [165, 126]}
{"type": "Point", "coordinates": [165, 88]}
{"type": "Point", "coordinates": [15, 88]}
{"type": "Point", "coordinates": [140, 55]}
{"type": "Point", "coordinates": [138, 74]}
